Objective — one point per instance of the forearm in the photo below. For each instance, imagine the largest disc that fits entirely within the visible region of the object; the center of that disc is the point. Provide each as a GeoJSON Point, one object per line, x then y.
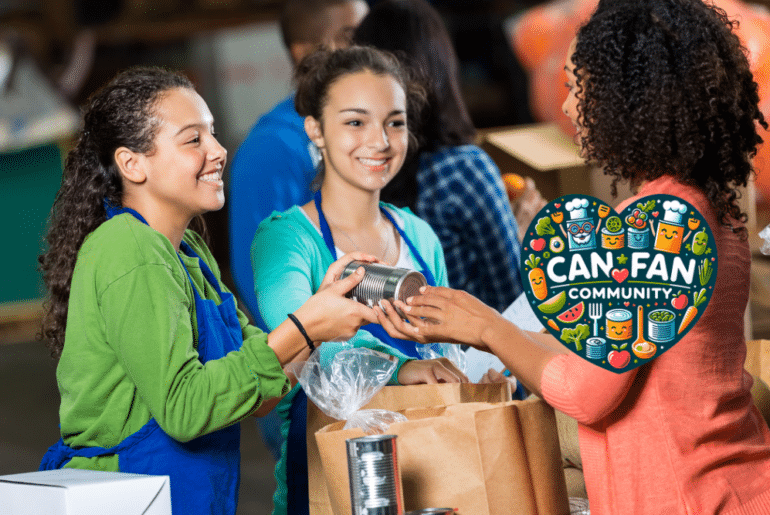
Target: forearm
{"type": "Point", "coordinates": [524, 353]}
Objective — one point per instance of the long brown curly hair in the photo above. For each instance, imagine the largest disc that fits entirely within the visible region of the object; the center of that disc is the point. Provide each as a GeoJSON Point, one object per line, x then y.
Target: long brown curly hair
{"type": "Point", "coordinates": [664, 88]}
{"type": "Point", "coordinates": [120, 114]}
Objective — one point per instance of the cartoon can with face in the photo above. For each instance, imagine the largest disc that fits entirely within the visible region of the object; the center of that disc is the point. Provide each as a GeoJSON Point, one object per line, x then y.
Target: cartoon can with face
{"type": "Point", "coordinates": [613, 235]}
{"type": "Point", "coordinates": [581, 233]}
{"type": "Point", "coordinates": [671, 230]}
{"type": "Point", "coordinates": [619, 324]}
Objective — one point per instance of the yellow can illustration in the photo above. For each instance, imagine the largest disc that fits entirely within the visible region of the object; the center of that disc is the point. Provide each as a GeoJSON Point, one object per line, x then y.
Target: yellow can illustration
{"type": "Point", "coordinates": [670, 233]}
{"type": "Point", "coordinates": [669, 238]}
{"type": "Point", "coordinates": [619, 324]}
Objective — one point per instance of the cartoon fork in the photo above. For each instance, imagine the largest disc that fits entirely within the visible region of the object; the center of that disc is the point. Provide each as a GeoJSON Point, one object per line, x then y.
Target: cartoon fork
{"type": "Point", "coordinates": [595, 313]}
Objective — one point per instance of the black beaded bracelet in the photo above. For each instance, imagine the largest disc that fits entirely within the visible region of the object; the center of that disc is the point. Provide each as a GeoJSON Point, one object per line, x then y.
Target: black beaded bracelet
{"type": "Point", "coordinates": [302, 330]}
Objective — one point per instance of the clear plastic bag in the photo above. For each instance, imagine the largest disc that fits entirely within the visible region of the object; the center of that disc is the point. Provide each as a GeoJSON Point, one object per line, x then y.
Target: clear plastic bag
{"type": "Point", "coordinates": [765, 235]}
{"type": "Point", "coordinates": [453, 353]}
{"type": "Point", "coordinates": [342, 385]}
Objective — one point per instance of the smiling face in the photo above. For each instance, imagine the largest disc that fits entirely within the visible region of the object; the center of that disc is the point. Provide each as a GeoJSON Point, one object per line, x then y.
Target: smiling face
{"type": "Point", "coordinates": [363, 134]}
{"type": "Point", "coordinates": [182, 174]}
{"type": "Point", "coordinates": [669, 238]}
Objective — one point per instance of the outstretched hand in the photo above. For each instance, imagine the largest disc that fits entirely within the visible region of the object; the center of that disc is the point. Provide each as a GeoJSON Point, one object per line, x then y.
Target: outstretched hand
{"type": "Point", "coordinates": [328, 314]}
{"type": "Point", "coordinates": [439, 314]}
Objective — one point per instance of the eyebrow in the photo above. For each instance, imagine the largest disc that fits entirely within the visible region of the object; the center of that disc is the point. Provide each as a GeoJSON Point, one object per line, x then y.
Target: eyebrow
{"type": "Point", "coordinates": [364, 111]}
{"type": "Point", "coordinates": [192, 126]}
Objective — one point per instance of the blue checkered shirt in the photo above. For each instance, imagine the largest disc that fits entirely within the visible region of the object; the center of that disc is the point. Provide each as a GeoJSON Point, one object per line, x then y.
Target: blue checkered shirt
{"type": "Point", "coordinates": [462, 197]}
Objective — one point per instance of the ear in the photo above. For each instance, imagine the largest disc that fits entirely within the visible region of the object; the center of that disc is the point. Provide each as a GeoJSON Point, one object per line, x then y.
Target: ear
{"type": "Point", "coordinates": [314, 132]}
{"type": "Point", "coordinates": [299, 49]}
{"type": "Point", "coordinates": [130, 165]}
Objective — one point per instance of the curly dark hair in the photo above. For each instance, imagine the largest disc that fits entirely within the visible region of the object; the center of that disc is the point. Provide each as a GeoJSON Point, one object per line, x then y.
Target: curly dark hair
{"type": "Point", "coordinates": [120, 114]}
{"type": "Point", "coordinates": [318, 71]}
{"type": "Point", "coordinates": [664, 88]}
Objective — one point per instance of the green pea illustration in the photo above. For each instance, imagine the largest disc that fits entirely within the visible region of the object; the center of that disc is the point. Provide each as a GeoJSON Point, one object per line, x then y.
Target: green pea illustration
{"type": "Point", "coordinates": [699, 242]}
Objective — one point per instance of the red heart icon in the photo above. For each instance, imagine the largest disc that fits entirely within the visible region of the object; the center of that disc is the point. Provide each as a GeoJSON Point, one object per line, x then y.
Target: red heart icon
{"type": "Point", "coordinates": [557, 206]}
{"type": "Point", "coordinates": [655, 213]}
{"type": "Point", "coordinates": [619, 275]}
{"type": "Point", "coordinates": [626, 304]}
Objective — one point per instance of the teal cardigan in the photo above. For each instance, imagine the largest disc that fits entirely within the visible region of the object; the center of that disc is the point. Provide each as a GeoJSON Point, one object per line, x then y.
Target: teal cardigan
{"type": "Point", "coordinates": [289, 259]}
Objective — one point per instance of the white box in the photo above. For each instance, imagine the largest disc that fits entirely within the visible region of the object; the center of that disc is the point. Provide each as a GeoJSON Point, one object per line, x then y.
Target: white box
{"type": "Point", "coordinates": [84, 492]}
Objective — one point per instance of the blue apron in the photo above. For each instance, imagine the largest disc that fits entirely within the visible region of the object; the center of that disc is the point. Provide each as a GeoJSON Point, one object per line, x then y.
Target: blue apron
{"type": "Point", "coordinates": [296, 443]}
{"type": "Point", "coordinates": [204, 472]}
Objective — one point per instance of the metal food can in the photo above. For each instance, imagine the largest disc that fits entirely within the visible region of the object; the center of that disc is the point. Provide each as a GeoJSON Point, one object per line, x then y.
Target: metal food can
{"type": "Point", "coordinates": [596, 348]}
{"type": "Point", "coordinates": [384, 282]}
{"type": "Point", "coordinates": [375, 479]}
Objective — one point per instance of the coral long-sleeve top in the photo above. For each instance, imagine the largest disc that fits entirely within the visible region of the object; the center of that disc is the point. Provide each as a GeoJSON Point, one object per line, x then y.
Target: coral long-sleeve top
{"type": "Point", "coordinates": [680, 434]}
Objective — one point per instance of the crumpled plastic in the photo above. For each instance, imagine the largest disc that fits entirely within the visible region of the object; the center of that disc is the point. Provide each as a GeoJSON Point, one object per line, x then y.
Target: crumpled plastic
{"type": "Point", "coordinates": [342, 385]}
{"type": "Point", "coordinates": [765, 235]}
{"type": "Point", "coordinates": [453, 353]}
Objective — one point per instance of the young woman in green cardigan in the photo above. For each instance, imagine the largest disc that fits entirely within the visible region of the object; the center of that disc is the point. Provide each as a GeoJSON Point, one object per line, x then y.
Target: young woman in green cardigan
{"type": "Point", "coordinates": [156, 364]}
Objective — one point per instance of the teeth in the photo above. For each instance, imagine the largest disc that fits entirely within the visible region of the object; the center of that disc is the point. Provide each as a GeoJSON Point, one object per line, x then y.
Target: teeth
{"type": "Point", "coordinates": [372, 162]}
{"type": "Point", "coordinates": [210, 177]}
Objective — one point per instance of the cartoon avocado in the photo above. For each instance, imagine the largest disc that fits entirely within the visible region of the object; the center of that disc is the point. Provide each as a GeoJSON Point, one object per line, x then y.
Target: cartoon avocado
{"type": "Point", "coordinates": [700, 242]}
{"type": "Point", "coordinates": [556, 244]}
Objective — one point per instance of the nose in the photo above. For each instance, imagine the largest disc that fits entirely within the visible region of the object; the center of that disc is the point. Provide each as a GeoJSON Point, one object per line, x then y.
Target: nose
{"type": "Point", "coordinates": [217, 152]}
{"type": "Point", "coordinates": [378, 139]}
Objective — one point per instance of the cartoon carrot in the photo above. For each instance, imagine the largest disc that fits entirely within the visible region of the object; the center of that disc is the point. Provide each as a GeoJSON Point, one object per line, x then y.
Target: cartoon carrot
{"type": "Point", "coordinates": [698, 299]}
{"type": "Point", "coordinates": [537, 278]}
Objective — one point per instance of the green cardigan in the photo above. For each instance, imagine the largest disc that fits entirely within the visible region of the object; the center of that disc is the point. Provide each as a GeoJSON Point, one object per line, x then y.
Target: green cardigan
{"type": "Point", "coordinates": [289, 259]}
{"type": "Point", "coordinates": [130, 346]}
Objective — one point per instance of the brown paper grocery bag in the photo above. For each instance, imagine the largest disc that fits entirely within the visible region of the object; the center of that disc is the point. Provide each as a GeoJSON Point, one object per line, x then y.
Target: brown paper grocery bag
{"type": "Point", "coordinates": [474, 457]}
{"type": "Point", "coordinates": [394, 398]}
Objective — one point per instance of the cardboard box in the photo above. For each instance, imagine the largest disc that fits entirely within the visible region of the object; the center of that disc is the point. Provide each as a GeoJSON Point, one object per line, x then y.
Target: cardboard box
{"type": "Point", "coordinates": [542, 151]}
{"type": "Point", "coordinates": [84, 492]}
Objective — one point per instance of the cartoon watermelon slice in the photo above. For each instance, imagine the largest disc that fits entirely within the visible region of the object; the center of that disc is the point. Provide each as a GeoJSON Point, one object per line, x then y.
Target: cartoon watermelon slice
{"type": "Point", "coordinates": [573, 314]}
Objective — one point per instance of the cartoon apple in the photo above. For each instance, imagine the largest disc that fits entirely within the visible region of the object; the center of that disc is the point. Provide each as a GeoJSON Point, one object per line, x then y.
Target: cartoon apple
{"type": "Point", "coordinates": [679, 302]}
{"type": "Point", "coordinates": [538, 244]}
{"type": "Point", "coordinates": [619, 358]}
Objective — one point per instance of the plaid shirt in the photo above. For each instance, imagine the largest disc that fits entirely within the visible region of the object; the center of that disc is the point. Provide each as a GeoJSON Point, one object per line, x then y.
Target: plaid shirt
{"type": "Point", "coordinates": [462, 197]}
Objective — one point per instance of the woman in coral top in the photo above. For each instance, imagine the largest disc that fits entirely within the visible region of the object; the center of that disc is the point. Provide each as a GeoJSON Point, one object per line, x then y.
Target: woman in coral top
{"type": "Point", "coordinates": [661, 95]}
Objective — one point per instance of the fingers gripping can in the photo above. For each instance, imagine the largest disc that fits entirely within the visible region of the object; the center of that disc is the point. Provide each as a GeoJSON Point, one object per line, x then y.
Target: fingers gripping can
{"type": "Point", "coordinates": [384, 282]}
{"type": "Point", "coordinates": [375, 479]}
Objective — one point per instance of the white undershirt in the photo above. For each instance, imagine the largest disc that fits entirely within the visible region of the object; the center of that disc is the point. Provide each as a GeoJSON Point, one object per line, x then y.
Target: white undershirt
{"type": "Point", "coordinates": [404, 256]}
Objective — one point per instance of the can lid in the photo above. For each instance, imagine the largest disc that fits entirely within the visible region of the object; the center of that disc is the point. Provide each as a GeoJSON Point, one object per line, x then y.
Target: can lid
{"type": "Point", "coordinates": [432, 511]}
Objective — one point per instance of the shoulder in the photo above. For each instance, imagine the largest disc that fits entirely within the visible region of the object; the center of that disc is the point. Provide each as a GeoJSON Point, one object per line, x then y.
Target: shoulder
{"type": "Point", "coordinates": [121, 245]}
{"type": "Point", "coordinates": [282, 226]}
{"type": "Point", "coordinates": [281, 126]}
{"type": "Point", "coordinates": [670, 186]}
{"type": "Point", "coordinates": [459, 163]}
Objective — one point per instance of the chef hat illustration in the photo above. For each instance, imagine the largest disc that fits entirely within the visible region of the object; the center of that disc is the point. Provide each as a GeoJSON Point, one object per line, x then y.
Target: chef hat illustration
{"type": "Point", "coordinates": [674, 211]}
{"type": "Point", "coordinates": [577, 208]}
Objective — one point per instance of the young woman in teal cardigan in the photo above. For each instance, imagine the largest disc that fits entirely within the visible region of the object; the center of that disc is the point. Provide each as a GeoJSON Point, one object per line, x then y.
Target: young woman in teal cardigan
{"type": "Point", "coordinates": [358, 104]}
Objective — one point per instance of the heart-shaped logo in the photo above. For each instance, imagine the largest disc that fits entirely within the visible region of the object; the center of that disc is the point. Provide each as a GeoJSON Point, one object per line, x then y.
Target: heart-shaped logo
{"type": "Point", "coordinates": [619, 289]}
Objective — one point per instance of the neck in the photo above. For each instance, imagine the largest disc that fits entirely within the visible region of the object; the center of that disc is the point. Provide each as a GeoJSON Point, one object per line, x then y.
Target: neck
{"type": "Point", "coordinates": [172, 227]}
{"type": "Point", "coordinates": [349, 208]}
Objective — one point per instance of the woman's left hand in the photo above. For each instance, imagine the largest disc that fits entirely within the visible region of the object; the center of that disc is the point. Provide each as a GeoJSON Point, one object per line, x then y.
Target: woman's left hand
{"type": "Point", "coordinates": [439, 315]}
{"type": "Point", "coordinates": [430, 371]}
